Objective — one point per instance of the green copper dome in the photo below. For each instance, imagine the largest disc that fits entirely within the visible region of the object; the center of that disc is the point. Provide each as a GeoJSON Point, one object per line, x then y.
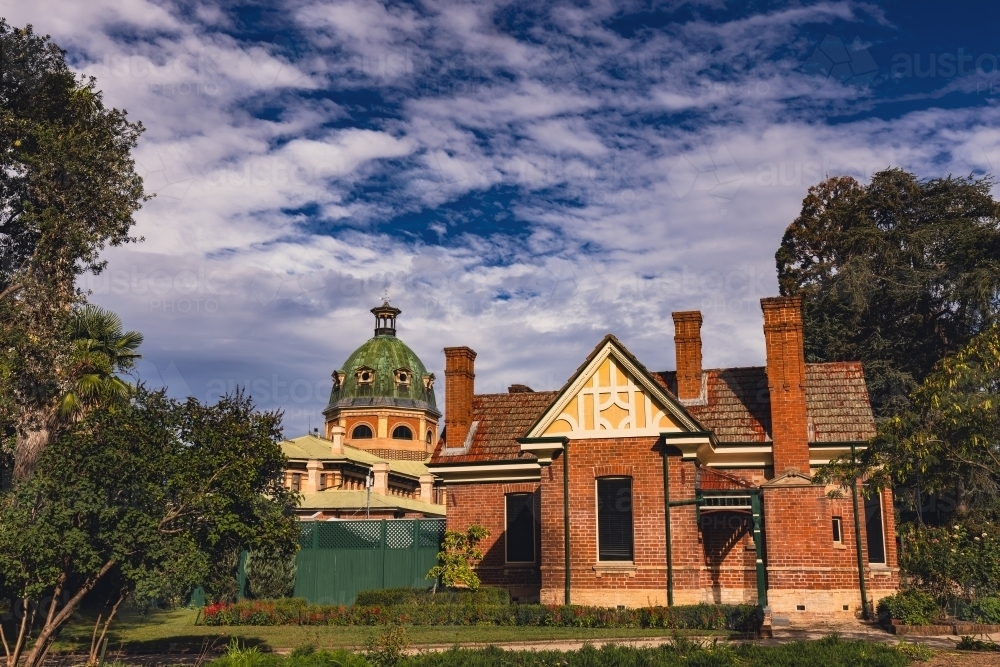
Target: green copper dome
{"type": "Point", "coordinates": [383, 372]}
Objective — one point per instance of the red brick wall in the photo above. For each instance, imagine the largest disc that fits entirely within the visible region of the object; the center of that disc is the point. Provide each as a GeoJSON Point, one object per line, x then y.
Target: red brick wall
{"type": "Point", "coordinates": [713, 562]}
{"type": "Point", "coordinates": [485, 504]}
{"type": "Point", "coordinates": [786, 382]}
{"type": "Point", "coordinates": [702, 567]}
{"type": "Point", "coordinates": [459, 378]}
{"type": "Point", "coordinates": [687, 345]}
{"type": "Point", "coordinates": [353, 420]}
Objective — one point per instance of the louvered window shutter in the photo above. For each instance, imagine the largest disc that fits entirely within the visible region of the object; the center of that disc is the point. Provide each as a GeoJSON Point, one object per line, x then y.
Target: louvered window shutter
{"type": "Point", "coordinates": [614, 518]}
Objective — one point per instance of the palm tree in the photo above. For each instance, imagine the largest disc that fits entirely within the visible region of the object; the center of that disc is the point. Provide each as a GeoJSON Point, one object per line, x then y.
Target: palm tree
{"type": "Point", "coordinates": [101, 351]}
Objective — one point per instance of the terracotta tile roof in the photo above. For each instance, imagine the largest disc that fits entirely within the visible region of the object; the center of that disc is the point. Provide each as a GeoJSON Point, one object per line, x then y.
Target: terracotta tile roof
{"type": "Point", "coordinates": [737, 410]}
{"type": "Point", "coordinates": [738, 406]}
{"type": "Point", "coordinates": [503, 418]}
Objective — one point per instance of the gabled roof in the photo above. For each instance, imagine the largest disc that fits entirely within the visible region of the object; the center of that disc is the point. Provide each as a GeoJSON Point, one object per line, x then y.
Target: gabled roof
{"type": "Point", "coordinates": [610, 346]}
{"type": "Point", "coordinates": [738, 408]}
{"type": "Point", "coordinates": [309, 447]}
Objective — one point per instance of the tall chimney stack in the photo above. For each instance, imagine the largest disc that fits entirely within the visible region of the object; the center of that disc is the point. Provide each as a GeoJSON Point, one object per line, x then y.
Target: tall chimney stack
{"type": "Point", "coordinates": [687, 345]}
{"type": "Point", "coordinates": [459, 385]}
{"type": "Point", "coordinates": [786, 382]}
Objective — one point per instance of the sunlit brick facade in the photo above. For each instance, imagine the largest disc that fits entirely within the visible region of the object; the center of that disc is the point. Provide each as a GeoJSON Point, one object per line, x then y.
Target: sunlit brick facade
{"type": "Point", "coordinates": [720, 458]}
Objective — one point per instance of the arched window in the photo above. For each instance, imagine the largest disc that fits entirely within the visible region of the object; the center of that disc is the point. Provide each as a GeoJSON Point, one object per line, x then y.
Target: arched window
{"type": "Point", "coordinates": [430, 437]}
{"type": "Point", "coordinates": [361, 432]}
{"type": "Point", "coordinates": [402, 433]}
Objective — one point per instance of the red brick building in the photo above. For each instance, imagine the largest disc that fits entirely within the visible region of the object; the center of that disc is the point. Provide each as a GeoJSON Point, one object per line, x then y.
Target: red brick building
{"type": "Point", "coordinates": [631, 487]}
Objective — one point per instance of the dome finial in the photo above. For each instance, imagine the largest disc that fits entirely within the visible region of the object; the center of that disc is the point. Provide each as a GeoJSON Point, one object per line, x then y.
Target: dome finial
{"type": "Point", "coordinates": [385, 317]}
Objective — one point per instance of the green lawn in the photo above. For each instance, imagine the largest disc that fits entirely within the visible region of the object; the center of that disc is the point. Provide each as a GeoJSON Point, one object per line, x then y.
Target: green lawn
{"type": "Point", "coordinates": [175, 631]}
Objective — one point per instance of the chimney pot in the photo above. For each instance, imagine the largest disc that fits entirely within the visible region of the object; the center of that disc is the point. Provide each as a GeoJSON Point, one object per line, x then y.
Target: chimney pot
{"type": "Point", "coordinates": [687, 346]}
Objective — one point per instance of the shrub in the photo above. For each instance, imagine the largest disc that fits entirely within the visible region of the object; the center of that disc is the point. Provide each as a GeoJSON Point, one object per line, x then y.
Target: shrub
{"type": "Point", "coordinates": [458, 556]}
{"type": "Point", "coordinates": [270, 576]}
{"type": "Point", "coordinates": [910, 607]}
{"type": "Point", "coordinates": [983, 610]}
{"type": "Point", "coordinates": [963, 558]}
{"type": "Point", "coordinates": [972, 644]}
{"type": "Point", "coordinates": [396, 596]}
{"type": "Point", "coordinates": [742, 618]}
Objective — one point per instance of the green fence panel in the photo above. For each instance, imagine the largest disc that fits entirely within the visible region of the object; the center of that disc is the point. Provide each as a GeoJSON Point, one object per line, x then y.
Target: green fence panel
{"type": "Point", "coordinates": [339, 558]}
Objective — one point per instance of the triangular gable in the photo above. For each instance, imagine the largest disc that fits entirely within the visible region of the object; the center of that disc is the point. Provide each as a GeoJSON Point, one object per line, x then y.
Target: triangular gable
{"type": "Point", "coordinates": [612, 396]}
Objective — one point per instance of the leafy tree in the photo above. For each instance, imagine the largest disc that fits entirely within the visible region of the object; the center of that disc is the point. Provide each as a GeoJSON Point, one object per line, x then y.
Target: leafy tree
{"type": "Point", "coordinates": [897, 274]}
{"type": "Point", "coordinates": [949, 441]}
{"type": "Point", "coordinates": [141, 499]}
{"type": "Point", "coordinates": [270, 575]}
{"type": "Point", "coordinates": [459, 554]}
{"type": "Point", "coordinates": [68, 189]}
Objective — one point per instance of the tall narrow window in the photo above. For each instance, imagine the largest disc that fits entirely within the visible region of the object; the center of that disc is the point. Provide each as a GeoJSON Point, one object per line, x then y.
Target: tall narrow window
{"type": "Point", "coordinates": [520, 534]}
{"type": "Point", "coordinates": [614, 518]}
{"type": "Point", "coordinates": [296, 482]}
{"type": "Point", "coordinates": [838, 534]}
{"type": "Point", "coordinates": [875, 529]}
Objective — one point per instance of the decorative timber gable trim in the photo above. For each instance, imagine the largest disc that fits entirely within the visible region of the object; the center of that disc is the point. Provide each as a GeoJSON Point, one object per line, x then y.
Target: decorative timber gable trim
{"type": "Point", "coordinates": [612, 395]}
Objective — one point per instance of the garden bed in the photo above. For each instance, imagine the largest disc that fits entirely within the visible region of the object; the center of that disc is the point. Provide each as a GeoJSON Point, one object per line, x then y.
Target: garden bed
{"type": "Point", "coordinates": [741, 618]}
{"type": "Point", "coordinates": [958, 628]}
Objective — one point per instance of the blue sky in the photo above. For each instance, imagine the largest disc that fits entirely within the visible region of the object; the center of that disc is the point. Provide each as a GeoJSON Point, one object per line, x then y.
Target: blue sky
{"type": "Point", "coordinates": [521, 177]}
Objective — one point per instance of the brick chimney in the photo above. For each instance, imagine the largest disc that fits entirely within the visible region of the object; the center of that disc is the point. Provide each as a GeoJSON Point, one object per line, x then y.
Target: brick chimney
{"type": "Point", "coordinates": [459, 385]}
{"type": "Point", "coordinates": [687, 344]}
{"type": "Point", "coordinates": [786, 382]}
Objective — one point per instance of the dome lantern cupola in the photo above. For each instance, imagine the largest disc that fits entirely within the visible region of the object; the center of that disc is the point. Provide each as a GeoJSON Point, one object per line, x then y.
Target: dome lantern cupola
{"type": "Point", "coordinates": [385, 318]}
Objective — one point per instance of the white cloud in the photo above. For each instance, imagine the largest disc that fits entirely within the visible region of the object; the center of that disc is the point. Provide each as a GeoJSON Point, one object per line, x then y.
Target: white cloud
{"type": "Point", "coordinates": [617, 179]}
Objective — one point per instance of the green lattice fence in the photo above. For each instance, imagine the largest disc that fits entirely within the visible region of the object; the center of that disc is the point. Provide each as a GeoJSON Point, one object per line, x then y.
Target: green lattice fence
{"type": "Point", "coordinates": [340, 558]}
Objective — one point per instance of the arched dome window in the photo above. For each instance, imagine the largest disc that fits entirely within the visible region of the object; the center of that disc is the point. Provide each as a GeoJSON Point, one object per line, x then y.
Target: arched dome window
{"type": "Point", "coordinates": [402, 433]}
{"type": "Point", "coordinates": [430, 437]}
{"type": "Point", "coordinates": [362, 432]}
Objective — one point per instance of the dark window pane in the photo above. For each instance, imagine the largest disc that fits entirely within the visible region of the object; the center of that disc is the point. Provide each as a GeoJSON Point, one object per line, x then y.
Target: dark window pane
{"type": "Point", "coordinates": [362, 431]}
{"type": "Point", "coordinates": [402, 433]}
{"type": "Point", "coordinates": [836, 530]}
{"type": "Point", "coordinates": [520, 536]}
{"type": "Point", "coordinates": [614, 519]}
{"type": "Point", "coordinates": [873, 526]}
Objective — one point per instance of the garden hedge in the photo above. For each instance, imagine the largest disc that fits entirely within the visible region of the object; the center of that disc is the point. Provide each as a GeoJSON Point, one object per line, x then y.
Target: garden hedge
{"type": "Point", "coordinates": [396, 596]}
{"type": "Point", "coordinates": [295, 611]}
